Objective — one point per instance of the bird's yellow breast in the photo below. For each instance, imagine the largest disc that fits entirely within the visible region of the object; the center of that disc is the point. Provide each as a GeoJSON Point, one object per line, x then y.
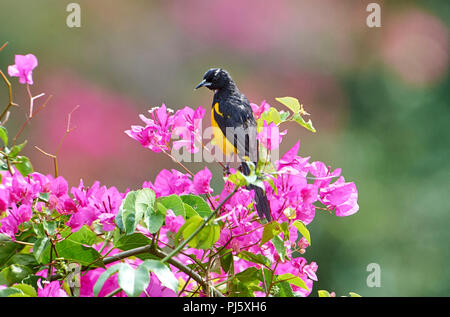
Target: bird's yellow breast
{"type": "Point", "coordinates": [219, 138]}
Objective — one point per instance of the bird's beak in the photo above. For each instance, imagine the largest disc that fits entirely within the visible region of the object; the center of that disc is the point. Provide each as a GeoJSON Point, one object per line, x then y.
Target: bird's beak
{"type": "Point", "coordinates": [203, 83]}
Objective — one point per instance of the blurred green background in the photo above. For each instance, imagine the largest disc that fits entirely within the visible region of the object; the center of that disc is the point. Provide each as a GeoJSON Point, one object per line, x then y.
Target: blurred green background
{"type": "Point", "coordinates": [379, 98]}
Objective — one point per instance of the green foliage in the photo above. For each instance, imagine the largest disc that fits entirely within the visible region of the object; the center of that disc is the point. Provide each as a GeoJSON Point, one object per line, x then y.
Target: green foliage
{"type": "Point", "coordinates": [133, 281]}
{"type": "Point", "coordinates": [303, 230]}
{"type": "Point", "coordinates": [198, 204]}
{"type": "Point", "coordinates": [205, 238]}
{"type": "Point", "coordinates": [4, 135]}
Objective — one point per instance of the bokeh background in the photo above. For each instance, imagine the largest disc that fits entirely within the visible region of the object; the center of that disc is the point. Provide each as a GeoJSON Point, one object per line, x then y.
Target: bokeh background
{"type": "Point", "coordinates": [379, 98]}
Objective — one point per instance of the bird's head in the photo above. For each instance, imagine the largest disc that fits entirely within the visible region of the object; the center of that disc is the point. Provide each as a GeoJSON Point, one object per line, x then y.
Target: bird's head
{"type": "Point", "coordinates": [215, 78]}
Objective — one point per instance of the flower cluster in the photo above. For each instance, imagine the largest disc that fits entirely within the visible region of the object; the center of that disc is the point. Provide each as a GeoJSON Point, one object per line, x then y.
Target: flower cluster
{"type": "Point", "coordinates": [157, 132]}
{"type": "Point", "coordinates": [202, 243]}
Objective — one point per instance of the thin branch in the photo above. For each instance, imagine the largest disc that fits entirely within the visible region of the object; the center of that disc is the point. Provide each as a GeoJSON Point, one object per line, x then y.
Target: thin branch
{"type": "Point", "coordinates": [55, 156]}
{"type": "Point", "coordinates": [11, 102]}
{"type": "Point", "coordinates": [30, 117]}
{"type": "Point", "coordinates": [3, 46]}
{"type": "Point", "coordinates": [55, 159]}
{"type": "Point", "coordinates": [68, 129]}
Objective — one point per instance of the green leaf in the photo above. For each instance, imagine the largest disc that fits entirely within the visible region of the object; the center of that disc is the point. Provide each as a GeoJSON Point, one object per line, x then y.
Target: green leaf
{"type": "Point", "coordinates": [303, 230]}
{"type": "Point", "coordinates": [132, 241]}
{"type": "Point", "coordinates": [299, 119]}
{"type": "Point", "coordinates": [163, 273]}
{"type": "Point", "coordinates": [133, 281]}
{"type": "Point", "coordinates": [24, 259]}
{"type": "Point", "coordinates": [23, 165]}
{"type": "Point", "coordinates": [125, 218]}
{"type": "Point", "coordinates": [292, 279]}
{"type": "Point", "coordinates": [105, 276]}
{"type": "Point", "coordinates": [290, 102]}
{"type": "Point", "coordinates": [226, 260]}
{"type": "Point", "coordinates": [83, 236]}
{"type": "Point", "coordinates": [204, 239]}
{"type": "Point", "coordinates": [4, 135]}
{"type": "Point", "coordinates": [40, 246]}
{"type": "Point", "coordinates": [285, 290]}
{"type": "Point", "coordinates": [26, 289]}
{"type": "Point", "coordinates": [173, 202]}
{"type": "Point", "coordinates": [71, 251]}
{"type": "Point", "coordinates": [190, 212]}
{"type": "Point", "coordinates": [249, 275]}
{"type": "Point", "coordinates": [197, 203]}
{"type": "Point", "coordinates": [272, 115]}
{"type": "Point", "coordinates": [154, 221]}
{"type": "Point", "coordinates": [238, 179]}
{"type": "Point", "coordinates": [279, 247]}
{"type": "Point", "coordinates": [14, 273]}
{"type": "Point", "coordinates": [255, 258]}
{"type": "Point", "coordinates": [16, 149]}
{"type": "Point", "coordinates": [323, 293]}
{"type": "Point", "coordinates": [284, 115]}
{"type": "Point", "coordinates": [7, 292]}
{"type": "Point", "coordinates": [352, 294]}
{"type": "Point", "coordinates": [145, 200]}
{"type": "Point", "coordinates": [7, 249]}
{"type": "Point", "coordinates": [270, 230]}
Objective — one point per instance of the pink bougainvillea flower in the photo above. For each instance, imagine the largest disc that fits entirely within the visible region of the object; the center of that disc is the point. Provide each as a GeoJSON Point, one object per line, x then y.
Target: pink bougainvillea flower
{"type": "Point", "coordinates": [323, 174]}
{"type": "Point", "coordinates": [173, 223]}
{"type": "Point", "coordinates": [155, 289]}
{"type": "Point", "coordinates": [107, 204]}
{"type": "Point", "coordinates": [52, 289]}
{"type": "Point", "coordinates": [23, 68]}
{"type": "Point", "coordinates": [188, 125]}
{"type": "Point", "coordinates": [84, 216]}
{"type": "Point", "coordinates": [4, 198]}
{"type": "Point", "coordinates": [259, 110]}
{"type": "Point", "coordinates": [22, 189]}
{"type": "Point", "coordinates": [270, 136]}
{"type": "Point", "coordinates": [15, 217]}
{"type": "Point", "coordinates": [157, 133]}
{"type": "Point", "coordinates": [200, 184]}
{"type": "Point", "coordinates": [291, 163]}
{"type": "Point", "coordinates": [299, 267]}
{"type": "Point", "coordinates": [170, 182]}
{"type": "Point", "coordinates": [342, 197]}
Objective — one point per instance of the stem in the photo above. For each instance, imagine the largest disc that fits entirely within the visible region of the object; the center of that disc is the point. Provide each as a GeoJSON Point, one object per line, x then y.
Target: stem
{"type": "Point", "coordinates": [55, 159]}
{"type": "Point", "coordinates": [116, 291]}
{"type": "Point", "coordinates": [11, 103]}
{"type": "Point", "coordinates": [3, 46]}
{"type": "Point", "coordinates": [30, 117]}
{"type": "Point", "coordinates": [185, 242]}
{"type": "Point", "coordinates": [178, 162]}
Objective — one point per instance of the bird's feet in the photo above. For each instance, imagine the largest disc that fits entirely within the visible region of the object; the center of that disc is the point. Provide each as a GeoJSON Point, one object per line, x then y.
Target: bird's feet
{"type": "Point", "coordinates": [226, 170]}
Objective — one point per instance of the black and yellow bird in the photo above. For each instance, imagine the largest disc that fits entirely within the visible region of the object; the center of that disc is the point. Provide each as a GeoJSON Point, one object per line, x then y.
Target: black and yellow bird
{"type": "Point", "coordinates": [235, 127]}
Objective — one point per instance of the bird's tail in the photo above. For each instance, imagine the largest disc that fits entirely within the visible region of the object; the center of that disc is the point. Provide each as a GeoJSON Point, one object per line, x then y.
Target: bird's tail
{"type": "Point", "coordinates": [261, 202]}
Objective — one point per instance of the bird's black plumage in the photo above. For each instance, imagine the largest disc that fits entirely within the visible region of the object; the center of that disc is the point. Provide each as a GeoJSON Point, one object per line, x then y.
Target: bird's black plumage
{"type": "Point", "coordinates": [232, 113]}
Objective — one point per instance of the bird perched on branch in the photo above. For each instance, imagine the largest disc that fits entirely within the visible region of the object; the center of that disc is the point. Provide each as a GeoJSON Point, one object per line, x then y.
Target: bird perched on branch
{"type": "Point", "coordinates": [235, 127]}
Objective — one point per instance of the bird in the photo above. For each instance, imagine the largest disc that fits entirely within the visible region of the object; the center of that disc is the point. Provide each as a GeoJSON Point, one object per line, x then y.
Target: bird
{"type": "Point", "coordinates": [234, 128]}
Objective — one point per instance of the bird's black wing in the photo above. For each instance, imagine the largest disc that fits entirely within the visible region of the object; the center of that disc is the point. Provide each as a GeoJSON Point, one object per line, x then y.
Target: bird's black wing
{"type": "Point", "coordinates": [239, 125]}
